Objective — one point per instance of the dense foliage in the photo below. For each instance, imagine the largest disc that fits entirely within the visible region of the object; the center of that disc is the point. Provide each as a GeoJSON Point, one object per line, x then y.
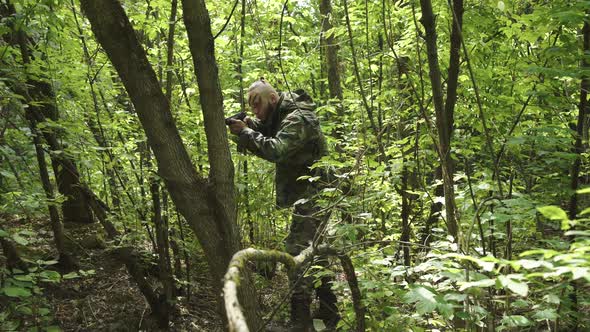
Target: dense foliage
{"type": "Point", "coordinates": [517, 161]}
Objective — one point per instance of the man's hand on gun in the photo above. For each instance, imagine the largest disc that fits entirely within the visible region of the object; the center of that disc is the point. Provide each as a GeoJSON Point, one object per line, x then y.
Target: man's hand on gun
{"type": "Point", "coordinates": [236, 126]}
{"type": "Point", "coordinates": [238, 122]}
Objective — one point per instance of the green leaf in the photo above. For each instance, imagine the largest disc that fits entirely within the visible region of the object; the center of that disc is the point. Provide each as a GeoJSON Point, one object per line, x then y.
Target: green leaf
{"type": "Point", "coordinates": [516, 320]}
{"type": "Point", "coordinates": [445, 309]}
{"type": "Point", "coordinates": [520, 303]}
{"type": "Point", "coordinates": [53, 329]}
{"type": "Point", "coordinates": [3, 233]}
{"type": "Point", "coordinates": [51, 276]}
{"type": "Point", "coordinates": [579, 272]}
{"type": "Point", "coordinates": [52, 262]}
{"type": "Point", "coordinates": [20, 240]}
{"type": "Point", "coordinates": [25, 310]}
{"type": "Point", "coordinates": [585, 211]}
{"type": "Point", "coordinates": [583, 191]}
{"type": "Point", "coordinates": [518, 287]}
{"type": "Point", "coordinates": [547, 314]}
{"type": "Point", "coordinates": [530, 264]}
{"type": "Point", "coordinates": [547, 253]}
{"type": "Point", "coordinates": [71, 275]}
{"type": "Point", "coordinates": [21, 277]}
{"type": "Point", "coordinates": [455, 297]}
{"type": "Point", "coordinates": [87, 273]}
{"type": "Point", "coordinates": [552, 298]}
{"type": "Point", "coordinates": [13, 291]}
{"type": "Point", "coordinates": [553, 212]}
{"type": "Point", "coordinates": [425, 300]}
{"type": "Point", "coordinates": [319, 325]}
{"type": "Point", "coordinates": [479, 283]}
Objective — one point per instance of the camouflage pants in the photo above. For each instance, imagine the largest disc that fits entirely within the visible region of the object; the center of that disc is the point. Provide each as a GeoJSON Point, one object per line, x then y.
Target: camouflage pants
{"type": "Point", "coordinates": [305, 223]}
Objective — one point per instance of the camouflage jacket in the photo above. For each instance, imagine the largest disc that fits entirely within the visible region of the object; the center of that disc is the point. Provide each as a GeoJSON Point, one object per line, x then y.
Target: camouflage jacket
{"type": "Point", "coordinates": [292, 139]}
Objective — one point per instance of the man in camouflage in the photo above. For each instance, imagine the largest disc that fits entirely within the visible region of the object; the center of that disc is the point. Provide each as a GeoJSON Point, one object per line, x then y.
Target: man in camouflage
{"type": "Point", "coordinates": [287, 132]}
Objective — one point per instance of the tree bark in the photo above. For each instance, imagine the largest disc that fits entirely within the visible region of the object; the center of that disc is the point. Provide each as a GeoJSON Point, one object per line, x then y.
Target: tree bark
{"type": "Point", "coordinates": [579, 150]}
{"type": "Point", "coordinates": [442, 118]}
{"type": "Point", "coordinates": [221, 175]}
{"type": "Point", "coordinates": [66, 261]}
{"type": "Point", "coordinates": [13, 260]}
{"type": "Point", "coordinates": [329, 45]}
{"type": "Point", "coordinates": [454, 65]}
{"type": "Point", "coordinates": [163, 251]}
{"type": "Point", "coordinates": [358, 76]}
{"type": "Point", "coordinates": [240, 77]}
{"type": "Point", "coordinates": [578, 146]}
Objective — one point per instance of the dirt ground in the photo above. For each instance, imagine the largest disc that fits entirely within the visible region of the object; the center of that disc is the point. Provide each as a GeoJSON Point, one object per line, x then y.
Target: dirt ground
{"type": "Point", "coordinates": [106, 299]}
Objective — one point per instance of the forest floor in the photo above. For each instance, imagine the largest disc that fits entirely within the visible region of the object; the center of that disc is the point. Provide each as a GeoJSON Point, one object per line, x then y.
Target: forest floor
{"type": "Point", "coordinates": [105, 297]}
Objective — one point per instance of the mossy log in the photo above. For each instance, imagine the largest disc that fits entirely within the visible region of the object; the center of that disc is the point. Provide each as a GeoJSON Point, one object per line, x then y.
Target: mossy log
{"type": "Point", "coordinates": [233, 278]}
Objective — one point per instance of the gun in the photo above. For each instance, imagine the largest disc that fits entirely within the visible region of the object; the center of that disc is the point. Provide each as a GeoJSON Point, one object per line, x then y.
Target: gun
{"type": "Point", "coordinates": [238, 116]}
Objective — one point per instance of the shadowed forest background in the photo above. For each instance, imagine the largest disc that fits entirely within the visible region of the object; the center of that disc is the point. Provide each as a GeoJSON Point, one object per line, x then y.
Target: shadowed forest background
{"type": "Point", "coordinates": [458, 135]}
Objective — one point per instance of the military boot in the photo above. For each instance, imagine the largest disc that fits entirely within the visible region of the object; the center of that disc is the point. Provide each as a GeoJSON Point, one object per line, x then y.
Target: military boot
{"type": "Point", "coordinates": [328, 311]}
{"type": "Point", "coordinates": [300, 310]}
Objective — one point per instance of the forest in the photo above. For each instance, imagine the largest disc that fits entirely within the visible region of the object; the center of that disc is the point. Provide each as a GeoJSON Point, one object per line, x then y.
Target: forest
{"type": "Point", "coordinates": [457, 151]}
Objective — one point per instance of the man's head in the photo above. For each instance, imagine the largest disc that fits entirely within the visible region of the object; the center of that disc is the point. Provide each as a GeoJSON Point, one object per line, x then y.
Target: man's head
{"type": "Point", "coordinates": [263, 98]}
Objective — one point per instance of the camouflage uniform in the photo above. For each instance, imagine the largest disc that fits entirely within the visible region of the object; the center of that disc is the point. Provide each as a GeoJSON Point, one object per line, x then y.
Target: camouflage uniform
{"type": "Point", "coordinates": [292, 139]}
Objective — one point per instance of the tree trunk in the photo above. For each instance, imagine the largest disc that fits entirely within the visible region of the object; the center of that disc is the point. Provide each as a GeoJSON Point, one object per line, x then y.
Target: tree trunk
{"type": "Point", "coordinates": [329, 45]}
{"type": "Point", "coordinates": [65, 260]}
{"type": "Point", "coordinates": [221, 175]}
{"type": "Point", "coordinates": [579, 149]}
{"type": "Point", "coordinates": [163, 251]}
{"type": "Point", "coordinates": [454, 65]}
{"type": "Point", "coordinates": [207, 205]}
{"type": "Point", "coordinates": [442, 118]}
{"type": "Point", "coordinates": [13, 260]}
{"type": "Point", "coordinates": [240, 77]}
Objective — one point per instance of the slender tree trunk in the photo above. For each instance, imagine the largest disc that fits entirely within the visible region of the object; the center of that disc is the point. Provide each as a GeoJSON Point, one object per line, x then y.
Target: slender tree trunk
{"type": "Point", "coordinates": [165, 273]}
{"type": "Point", "coordinates": [368, 108]}
{"type": "Point", "coordinates": [37, 102]}
{"type": "Point", "coordinates": [406, 150]}
{"type": "Point", "coordinates": [405, 214]}
{"type": "Point", "coordinates": [578, 146]}
{"type": "Point", "coordinates": [13, 260]}
{"type": "Point", "coordinates": [177, 258]}
{"type": "Point", "coordinates": [187, 260]}
{"type": "Point", "coordinates": [240, 77]}
{"type": "Point", "coordinates": [170, 50]}
{"type": "Point", "coordinates": [442, 119]}
{"type": "Point", "coordinates": [579, 149]}
{"type": "Point", "coordinates": [221, 176]}
{"type": "Point", "coordinates": [435, 208]}
{"type": "Point", "coordinates": [329, 47]}
{"type": "Point", "coordinates": [65, 260]}
{"type": "Point", "coordinates": [454, 65]}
